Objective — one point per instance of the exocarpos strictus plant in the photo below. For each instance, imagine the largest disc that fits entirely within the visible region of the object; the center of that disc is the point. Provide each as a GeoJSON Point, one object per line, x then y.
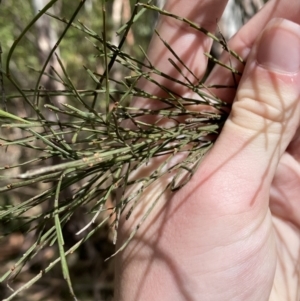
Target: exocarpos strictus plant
{"type": "Point", "coordinates": [85, 150]}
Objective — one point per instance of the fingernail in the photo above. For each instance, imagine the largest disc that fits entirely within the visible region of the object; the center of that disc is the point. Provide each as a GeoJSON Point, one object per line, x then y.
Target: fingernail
{"type": "Point", "coordinates": [279, 47]}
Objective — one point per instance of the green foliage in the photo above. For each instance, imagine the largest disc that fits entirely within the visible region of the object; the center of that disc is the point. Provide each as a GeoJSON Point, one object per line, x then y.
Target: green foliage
{"type": "Point", "coordinates": [77, 154]}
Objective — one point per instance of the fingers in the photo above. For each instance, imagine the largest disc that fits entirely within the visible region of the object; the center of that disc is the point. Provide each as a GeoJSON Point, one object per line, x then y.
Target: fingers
{"type": "Point", "coordinates": [188, 43]}
{"type": "Point", "coordinates": [264, 118]}
{"type": "Point", "coordinates": [243, 41]}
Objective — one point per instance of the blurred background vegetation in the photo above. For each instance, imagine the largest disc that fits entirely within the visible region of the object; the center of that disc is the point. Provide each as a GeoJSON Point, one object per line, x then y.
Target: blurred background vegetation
{"type": "Point", "coordinates": [92, 278]}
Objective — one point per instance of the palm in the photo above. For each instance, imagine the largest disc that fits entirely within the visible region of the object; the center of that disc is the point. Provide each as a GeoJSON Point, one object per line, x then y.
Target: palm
{"type": "Point", "coordinates": [284, 204]}
{"type": "Point", "coordinates": [281, 221]}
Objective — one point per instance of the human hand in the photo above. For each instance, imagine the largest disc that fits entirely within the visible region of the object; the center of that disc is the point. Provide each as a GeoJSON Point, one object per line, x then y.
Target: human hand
{"type": "Point", "coordinates": [231, 233]}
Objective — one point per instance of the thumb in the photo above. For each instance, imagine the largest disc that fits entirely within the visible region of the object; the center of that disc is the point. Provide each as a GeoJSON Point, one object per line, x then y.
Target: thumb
{"type": "Point", "coordinates": [263, 120]}
{"type": "Point", "coordinates": [266, 107]}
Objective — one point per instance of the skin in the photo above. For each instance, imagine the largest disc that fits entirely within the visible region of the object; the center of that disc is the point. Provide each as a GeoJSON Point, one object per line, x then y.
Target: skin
{"type": "Point", "coordinates": [232, 233]}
